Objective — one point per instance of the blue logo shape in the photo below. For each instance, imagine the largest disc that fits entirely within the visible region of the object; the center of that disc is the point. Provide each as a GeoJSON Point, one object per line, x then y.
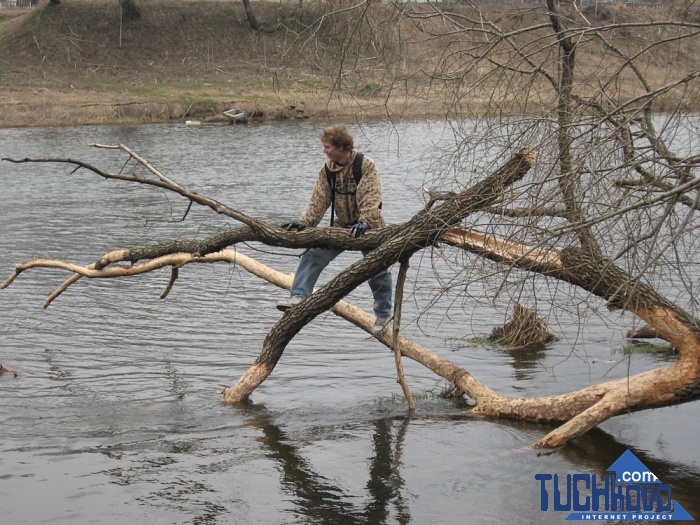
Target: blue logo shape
{"type": "Point", "coordinates": [630, 470]}
{"type": "Point", "coordinates": [629, 491]}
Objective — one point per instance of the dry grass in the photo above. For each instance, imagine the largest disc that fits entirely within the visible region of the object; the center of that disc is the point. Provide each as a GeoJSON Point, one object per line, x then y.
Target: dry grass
{"type": "Point", "coordinates": [78, 63]}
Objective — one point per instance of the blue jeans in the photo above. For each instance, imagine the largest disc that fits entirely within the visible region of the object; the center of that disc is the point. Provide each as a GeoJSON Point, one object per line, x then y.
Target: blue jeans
{"type": "Point", "coordinates": [314, 260]}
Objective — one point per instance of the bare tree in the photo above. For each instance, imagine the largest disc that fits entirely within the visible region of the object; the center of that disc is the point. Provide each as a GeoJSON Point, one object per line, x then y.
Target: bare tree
{"type": "Point", "coordinates": [610, 206]}
{"type": "Point", "coordinates": [615, 182]}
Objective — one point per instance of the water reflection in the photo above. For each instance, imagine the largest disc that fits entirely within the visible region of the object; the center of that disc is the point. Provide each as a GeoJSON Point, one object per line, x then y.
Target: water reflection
{"type": "Point", "coordinates": [527, 362]}
{"type": "Point", "coordinates": [317, 498]}
{"type": "Point", "coordinates": [385, 481]}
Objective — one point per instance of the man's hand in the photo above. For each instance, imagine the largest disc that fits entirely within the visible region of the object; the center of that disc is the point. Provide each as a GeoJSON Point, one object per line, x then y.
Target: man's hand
{"type": "Point", "coordinates": [358, 229]}
{"type": "Point", "coordinates": [293, 226]}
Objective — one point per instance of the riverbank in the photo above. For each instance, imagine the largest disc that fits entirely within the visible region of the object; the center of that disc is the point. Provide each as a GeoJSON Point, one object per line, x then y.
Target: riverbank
{"type": "Point", "coordinates": [50, 107]}
{"type": "Point", "coordinates": [81, 62]}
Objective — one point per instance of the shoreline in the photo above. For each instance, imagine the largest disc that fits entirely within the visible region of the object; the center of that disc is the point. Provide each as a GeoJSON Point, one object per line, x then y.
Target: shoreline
{"type": "Point", "coordinates": [51, 107]}
{"type": "Point", "coordinates": [47, 107]}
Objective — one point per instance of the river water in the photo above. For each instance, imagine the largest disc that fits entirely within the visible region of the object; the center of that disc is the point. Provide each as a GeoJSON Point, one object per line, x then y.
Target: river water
{"type": "Point", "coordinates": [119, 416]}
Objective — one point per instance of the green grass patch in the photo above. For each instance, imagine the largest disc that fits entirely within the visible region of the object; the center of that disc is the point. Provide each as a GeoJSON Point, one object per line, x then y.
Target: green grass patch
{"type": "Point", "coordinates": [461, 343]}
{"type": "Point", "coordinates": [400, 399]}
{"type": "Point", "coordinates": [370, 90]}
{"type": "Point", "coordinates": [648, 348]}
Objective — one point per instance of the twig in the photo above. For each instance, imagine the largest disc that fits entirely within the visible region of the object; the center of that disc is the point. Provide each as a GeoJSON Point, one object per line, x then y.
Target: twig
{"type": "Point", "coordinates": [174, 274]}
{"type": "Point", "coordinates": [162, 182]}
{"type": "Point", "coordinates": [188, 110]}
{"type": "Point", "coordinates": [40, 50]}
{"type": "Point", "coordinates": [398, 300]}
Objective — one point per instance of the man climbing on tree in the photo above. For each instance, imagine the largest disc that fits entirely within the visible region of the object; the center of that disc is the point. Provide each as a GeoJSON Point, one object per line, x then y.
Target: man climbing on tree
{"type": "Point", "coordinates": [348, 183]}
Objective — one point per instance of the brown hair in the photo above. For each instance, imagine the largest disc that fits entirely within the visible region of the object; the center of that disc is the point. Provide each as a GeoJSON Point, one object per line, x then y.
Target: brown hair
{"type": "Point", "coordinates": [338, 135]}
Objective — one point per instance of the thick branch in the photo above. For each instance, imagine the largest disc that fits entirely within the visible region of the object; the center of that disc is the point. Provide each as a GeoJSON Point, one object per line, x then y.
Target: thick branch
{"type": "Point", "coordinates": [398, 303]}
{"type": "Point", "coordinates": [674, 383]}
{"type": "Point", "coordinates": [424, 229]}
{"type": "Point", "coordinates": [579, 407]}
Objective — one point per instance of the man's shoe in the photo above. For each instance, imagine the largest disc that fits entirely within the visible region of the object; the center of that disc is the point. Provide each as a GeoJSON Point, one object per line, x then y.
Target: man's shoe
{"type": "Point", "coordinates": [380, 325]}
{"type": "Point", "coordinates": [287, 303]}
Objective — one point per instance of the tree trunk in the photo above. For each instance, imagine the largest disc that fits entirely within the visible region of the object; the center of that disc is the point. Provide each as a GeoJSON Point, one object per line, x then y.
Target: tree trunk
{"type": "Point", "coordinates": [251, 16]}
{"type": "Point", "coordinates": [130, 11]}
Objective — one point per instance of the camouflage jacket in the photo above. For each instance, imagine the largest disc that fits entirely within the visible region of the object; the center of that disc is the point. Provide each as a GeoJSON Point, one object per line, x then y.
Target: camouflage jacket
{"type": "Point", "coordinates": [353, 202]}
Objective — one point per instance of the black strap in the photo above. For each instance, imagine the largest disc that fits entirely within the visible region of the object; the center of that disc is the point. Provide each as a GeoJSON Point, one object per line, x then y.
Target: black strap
{"type": "Point", "coordinates": [357, 168]}
{"type": "Point", "coordinates": [356, 174]}
{"type": "Point", "coordinates": [331, 183]}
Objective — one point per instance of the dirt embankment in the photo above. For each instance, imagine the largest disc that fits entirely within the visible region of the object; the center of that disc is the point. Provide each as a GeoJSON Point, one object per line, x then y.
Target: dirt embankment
{"type": "Point", "coordinates": [82, 62]}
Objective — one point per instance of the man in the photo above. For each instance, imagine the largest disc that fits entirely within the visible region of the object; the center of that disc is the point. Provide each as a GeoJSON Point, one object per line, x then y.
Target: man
{"type": "Point", "coordinates": [349, 184]}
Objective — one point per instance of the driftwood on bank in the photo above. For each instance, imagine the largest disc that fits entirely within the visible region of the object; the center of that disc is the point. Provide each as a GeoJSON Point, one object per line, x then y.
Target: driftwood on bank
{"type": "Point", "coordinates": [579, 411]}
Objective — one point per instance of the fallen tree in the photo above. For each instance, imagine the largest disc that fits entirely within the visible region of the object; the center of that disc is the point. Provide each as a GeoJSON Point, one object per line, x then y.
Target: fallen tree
{"type": "Point", "coordinates": [579, 411]}
{"type": "Point", "coordinates": [611, 207]}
